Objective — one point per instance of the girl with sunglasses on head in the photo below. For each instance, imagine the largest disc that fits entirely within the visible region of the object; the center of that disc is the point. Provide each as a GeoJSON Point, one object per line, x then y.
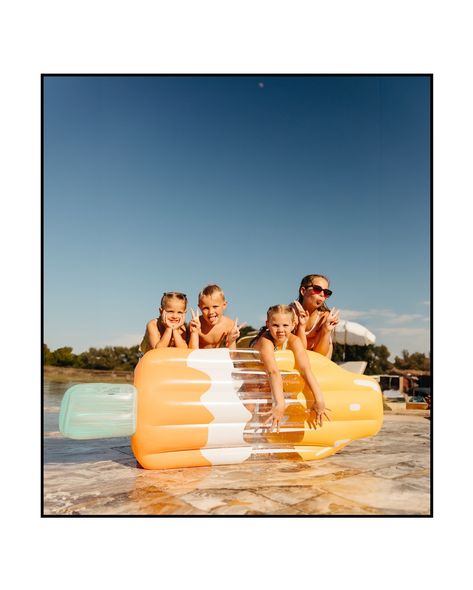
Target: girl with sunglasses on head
{"type": "Point", "coordinates": [316, 321]}
{"type": "Point", "coordinates": [168, 330]}
{"type": "Point", "coordinates": [277, 335]}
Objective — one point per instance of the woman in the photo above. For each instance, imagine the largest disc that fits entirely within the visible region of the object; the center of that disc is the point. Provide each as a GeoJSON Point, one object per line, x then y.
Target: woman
{"type": "Point", "coordinates": [316, 321]}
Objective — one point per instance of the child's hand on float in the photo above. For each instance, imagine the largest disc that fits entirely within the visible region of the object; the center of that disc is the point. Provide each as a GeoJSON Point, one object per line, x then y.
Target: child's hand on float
{"type": "Point", "coordinates": [275, 416]}
{"type": "Point", "coordinates": [316, 413]}
{"type": "Point", "coordinates": [234, 333]}
{"type": "Point", "coordinates": [194, 324]}
{"type": "Point", "coordinates": [302, 314]}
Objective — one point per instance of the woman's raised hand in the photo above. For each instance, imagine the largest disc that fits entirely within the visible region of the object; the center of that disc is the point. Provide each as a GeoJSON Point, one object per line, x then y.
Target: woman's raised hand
{"type": "Point", "coordinates": [194, 324]}
{"type": "Point", "coordinates": [330, 320]}
{"type": "Point", "coordinates": [302, 314]}
{"type": "Point", "coordinates": [234, 333]}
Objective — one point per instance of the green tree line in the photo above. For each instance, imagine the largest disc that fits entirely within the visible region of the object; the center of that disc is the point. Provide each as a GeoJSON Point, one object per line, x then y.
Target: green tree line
{"type": "Point", "coordinates": [111, 357]}
{"type": "Point", "coordinates": [125, 359]}
{"type": "Point", "coordinates": [377, 358]}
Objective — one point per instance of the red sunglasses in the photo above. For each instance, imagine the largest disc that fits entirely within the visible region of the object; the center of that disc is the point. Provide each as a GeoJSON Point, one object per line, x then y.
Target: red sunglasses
{"type": "Point", "coordinates": [317, 289]}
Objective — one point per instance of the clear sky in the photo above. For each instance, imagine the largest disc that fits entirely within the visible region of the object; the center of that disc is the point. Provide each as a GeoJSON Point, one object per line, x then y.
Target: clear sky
{"type": "Point", "coordinates": [163, 183]}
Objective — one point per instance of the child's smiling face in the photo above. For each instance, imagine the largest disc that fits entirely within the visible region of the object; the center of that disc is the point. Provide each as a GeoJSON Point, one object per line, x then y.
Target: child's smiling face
{"type": "Point", "coordinates": [175, 310]}
{"type": "Point", "coordinates": [280, 325]}
{"type": "Point", "coordinates": [212, 308]}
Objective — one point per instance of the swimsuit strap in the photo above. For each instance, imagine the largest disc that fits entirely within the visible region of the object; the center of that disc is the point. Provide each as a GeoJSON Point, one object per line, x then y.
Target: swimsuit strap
{"type": "Point", "coordinates": [283, 347]}
{"type": "Point", "coordinates": [267, 334]}
{"type": "Point", "coordinates": [315, 324]}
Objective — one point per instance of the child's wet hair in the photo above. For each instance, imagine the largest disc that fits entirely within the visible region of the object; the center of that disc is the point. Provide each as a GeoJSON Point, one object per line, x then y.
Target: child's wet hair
{"type": "Point", "coordinates": [306, 282]}
{"type": "Point", "coordinates": [211, 290]}
{"type": "Point", "coordinates": [173, 295]}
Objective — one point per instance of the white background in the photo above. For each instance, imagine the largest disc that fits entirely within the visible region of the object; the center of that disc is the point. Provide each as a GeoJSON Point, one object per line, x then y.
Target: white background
{"type": "Point", "coordinates": [233, 37]}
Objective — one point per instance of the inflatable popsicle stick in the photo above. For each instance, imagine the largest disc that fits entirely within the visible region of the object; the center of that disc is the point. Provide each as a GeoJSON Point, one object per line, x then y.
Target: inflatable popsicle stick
{"type": "Point", "coordinates": [98, 410]}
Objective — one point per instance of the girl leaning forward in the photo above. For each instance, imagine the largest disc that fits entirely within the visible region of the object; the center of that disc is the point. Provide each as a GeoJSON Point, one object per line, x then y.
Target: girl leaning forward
{"type": "Point", "coordinates": [277, 335]}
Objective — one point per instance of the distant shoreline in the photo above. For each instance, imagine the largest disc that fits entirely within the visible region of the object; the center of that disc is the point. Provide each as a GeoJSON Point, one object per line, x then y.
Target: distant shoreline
{"type": "Point", "coordinates": [66, 374]}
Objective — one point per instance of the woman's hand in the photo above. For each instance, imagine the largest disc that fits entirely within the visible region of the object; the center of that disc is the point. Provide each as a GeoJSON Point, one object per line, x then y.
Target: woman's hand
{"type": "Point", "coordinates": [301, 313]}
{"type": "Point", "coordinates": [194, 324]}
{"type": "Point", "coordinates": [275, 416]}
{"type": "Point", "coordinates": [316, 413]}
{"type": "Point", "coordinates": [330, 320]}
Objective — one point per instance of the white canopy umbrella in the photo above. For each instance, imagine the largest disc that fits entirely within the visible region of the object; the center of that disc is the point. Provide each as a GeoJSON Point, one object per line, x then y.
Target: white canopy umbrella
{"type": "Point", "coordinates": [351, 333]}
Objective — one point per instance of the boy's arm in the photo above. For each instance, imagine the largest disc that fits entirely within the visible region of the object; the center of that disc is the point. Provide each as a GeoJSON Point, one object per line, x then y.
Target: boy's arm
{"type": "Point", "coordinates": [233, 333]}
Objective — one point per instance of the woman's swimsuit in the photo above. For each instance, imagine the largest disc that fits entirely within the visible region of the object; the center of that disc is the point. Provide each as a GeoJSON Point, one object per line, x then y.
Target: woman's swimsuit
{"type": "Point", "coordinates": [315, 329]}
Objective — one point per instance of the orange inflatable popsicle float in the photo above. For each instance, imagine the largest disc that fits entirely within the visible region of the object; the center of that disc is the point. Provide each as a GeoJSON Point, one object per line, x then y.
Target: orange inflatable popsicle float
{"type": "Point", "coordinates": [192, 408]}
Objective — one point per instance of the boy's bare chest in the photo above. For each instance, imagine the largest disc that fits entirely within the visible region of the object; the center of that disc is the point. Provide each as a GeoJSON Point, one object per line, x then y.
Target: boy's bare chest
{"type": "Point", "coordinates": [213, 337]}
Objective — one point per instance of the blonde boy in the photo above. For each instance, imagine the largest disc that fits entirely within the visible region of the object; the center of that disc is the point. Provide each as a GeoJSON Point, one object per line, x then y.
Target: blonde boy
{"type": "Point", "coordinates": [212, 329]}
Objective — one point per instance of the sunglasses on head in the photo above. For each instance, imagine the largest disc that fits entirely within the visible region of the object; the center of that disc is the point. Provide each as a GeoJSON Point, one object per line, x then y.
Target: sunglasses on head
{"type": "Point", "coordinates": [317, 289]}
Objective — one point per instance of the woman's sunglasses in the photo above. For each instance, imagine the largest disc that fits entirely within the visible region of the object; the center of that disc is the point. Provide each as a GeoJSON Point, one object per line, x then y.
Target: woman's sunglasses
{"type": "Point", "coordinates": [317, 289]}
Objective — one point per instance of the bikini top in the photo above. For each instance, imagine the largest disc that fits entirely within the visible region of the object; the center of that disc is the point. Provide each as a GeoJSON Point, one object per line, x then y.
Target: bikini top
{"type": "Point", "coordinates": [307, 332]}
{"type": "Point", "coordinates": [283, 345]}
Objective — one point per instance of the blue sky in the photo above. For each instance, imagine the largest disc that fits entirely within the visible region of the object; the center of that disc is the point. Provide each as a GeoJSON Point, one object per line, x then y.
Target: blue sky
{"type": "Point", "coordinates": [170, 183]}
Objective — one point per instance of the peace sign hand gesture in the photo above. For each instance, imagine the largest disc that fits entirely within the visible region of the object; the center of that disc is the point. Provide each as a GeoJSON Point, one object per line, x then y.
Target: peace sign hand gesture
{"type": "Point", "coordinates": [194, 324]}
{"type": "Point", "coordinates": [234, 333]}
{"type": "Point", "coordinates": [302, 314]}
{"type": "Point", "coordinates": [330, 320]}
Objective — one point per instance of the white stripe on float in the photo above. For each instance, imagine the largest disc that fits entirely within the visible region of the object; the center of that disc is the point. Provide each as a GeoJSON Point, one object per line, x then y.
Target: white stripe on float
{"type": "Point", "coordinates": [367, 383]}
{"type": "Point", "coordinates": [222, 401]}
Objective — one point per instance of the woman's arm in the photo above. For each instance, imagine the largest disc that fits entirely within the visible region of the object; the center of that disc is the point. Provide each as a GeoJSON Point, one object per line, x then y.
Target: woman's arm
{"type": "Point", "coordinates": [323, 341]}
{"type": "Point", "coordinates": [302, 319]}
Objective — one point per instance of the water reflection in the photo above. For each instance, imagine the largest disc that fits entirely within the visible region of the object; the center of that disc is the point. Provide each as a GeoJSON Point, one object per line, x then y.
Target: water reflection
{"type": "Point", "coordinates": [53, 392]}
